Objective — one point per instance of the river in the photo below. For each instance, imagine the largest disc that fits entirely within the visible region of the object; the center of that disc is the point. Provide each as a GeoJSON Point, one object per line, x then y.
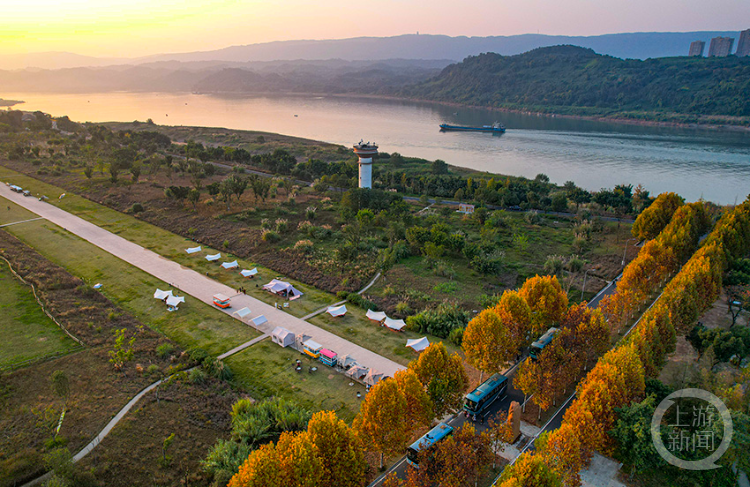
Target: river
{"type": "Point", "coordinates": [696, 163]}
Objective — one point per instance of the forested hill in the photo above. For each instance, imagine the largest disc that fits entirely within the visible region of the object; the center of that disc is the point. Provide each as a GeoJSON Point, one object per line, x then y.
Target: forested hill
{"type": "Point", "coordinates": [575, 80]}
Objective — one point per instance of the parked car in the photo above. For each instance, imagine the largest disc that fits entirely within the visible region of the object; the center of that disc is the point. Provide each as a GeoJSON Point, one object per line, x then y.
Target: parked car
{"type": "Point", "coordinates": [27, 193]}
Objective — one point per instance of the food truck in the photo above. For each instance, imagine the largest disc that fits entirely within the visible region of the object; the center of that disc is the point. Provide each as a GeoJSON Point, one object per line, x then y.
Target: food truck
{"type": "Point", "coordinates": [222, 301]}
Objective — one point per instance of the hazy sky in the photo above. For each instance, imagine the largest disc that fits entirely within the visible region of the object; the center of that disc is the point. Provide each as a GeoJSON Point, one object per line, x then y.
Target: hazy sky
{"type": "Point", "coordinates": [142, 27]}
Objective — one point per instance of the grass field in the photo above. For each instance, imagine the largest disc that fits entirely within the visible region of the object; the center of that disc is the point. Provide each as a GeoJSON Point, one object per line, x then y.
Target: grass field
{"type": "Point", "coordinates": [195, 325]}
{"type": "Point", "coordinates": [167, 244]}
{"type": "Point", "coordinates": [27, 331]}
{"type": "Point", "coordinates": [265, 370]}
{"type": "Point", "coordinates": [356, 328]}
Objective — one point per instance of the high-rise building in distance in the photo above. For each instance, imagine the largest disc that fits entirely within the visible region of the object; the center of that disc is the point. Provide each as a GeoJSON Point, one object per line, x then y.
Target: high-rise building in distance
{"type": "Point", "coordinates": [743, 47]}
{"type": "Point", "coordinates": [720, 46]}
{"type": "Point", "coordinates": [696, 48]}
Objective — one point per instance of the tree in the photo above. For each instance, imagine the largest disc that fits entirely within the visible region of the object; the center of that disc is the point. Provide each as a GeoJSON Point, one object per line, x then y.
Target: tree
{"type": "Point", "coordinates": [166, 459]}
{"type": "Point", "coordinates": [443, 376]}
{"type": "Point", "coordinates": [529, 470]}
{"type": "Point", "coordinates": [439, 167]}
{"type": "Point", "coordinates": [653, 219]}
{"type": "Point", "coordinates": [419, 408]}
{"type": "Point", "coordinates": [114, 172]}
{"type": "Point", "coordinates": [531, 379]}
{"type": "Point", "coordinates": [88, 171]}
{"type": "Point", "coordinates": [294, 460]}
{"type": "Point", "coordinates": [193, 197]}
{"type": "Point", "coordinates": [632, 432]}
{"type": "Point", "coordinates": [379, 422]}
{"type": "Point", "coordinates": [60, 384]}
{"type": "Point", "coordinates": [135, 172]}
{"type": "Point", "coordinates": [546, 299]}
{"type": "Point", "coordinates": [339, 448]}
{"type": "Point", "coordinates": [122, 351]}
{"type": "Point", "coordinates": [461, 458]}
{"type": "Point", "coordinates": [561, 450]}
{"type": "Point", "coordinates": [495, 336]}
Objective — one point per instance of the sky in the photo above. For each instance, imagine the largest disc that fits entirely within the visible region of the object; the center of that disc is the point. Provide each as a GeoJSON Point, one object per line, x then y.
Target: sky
{"type": "Point", "coordinates": [132, 28]}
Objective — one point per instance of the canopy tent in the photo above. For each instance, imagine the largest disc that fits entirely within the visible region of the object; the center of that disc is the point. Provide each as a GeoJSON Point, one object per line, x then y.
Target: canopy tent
{"type": "Point", "coordinates": [373, 377]}
{"type": "Point", "coordinates": [229, 265]}
{"type": "Point", "coordinates": [396, 325]}
{"type": "Point", "coordinates": [241, 313]}
{"type": "Point", "coordinates": [418, 344]}
{"type": "Point", "coordinates": [376, 315]}
{"type": "Point", "coordinates": [279, 287]}
{"type": "Point", "coordinates": [357, 372]}
{"type": "Point", "coordinates": [346, 361]}
{"type": "Point", "coordinates": [337, 310]}
{"type": "Point", "coordinates": [259, 320]}
{"type": "Point", "coordinates": [174, 300]}
{"type": "Point", "coordinates": [282, 337]}
{"type": "Point", "coordinates": [193, 250]}
{"type": "Point", "coordinates": [162, 295]}
{"type": "Point", "coordinates": [249, 273]}
{"type": "Point", "coordinates": [214, 257]}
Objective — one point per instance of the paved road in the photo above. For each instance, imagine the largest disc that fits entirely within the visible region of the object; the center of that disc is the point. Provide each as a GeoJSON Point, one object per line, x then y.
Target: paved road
{"type": "Point", "coordinates": [195, 284]}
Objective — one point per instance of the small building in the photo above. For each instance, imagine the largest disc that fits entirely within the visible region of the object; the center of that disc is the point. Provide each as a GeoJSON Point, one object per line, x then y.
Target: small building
{"type": "Point", "coordinates": [311, 348]}
{"type": "Point", "coordinates": [720, 47]}
{"type": "Point", "coordinates": [465, 208]}
{"type": "Point", "coordinates": [328, 357]}
{"type": "Point", "coordinates": [696, 48]}
{"type": "Point", "coordinates": [282, 337]}
{"type": "Point", "coordinates": [222, 301]}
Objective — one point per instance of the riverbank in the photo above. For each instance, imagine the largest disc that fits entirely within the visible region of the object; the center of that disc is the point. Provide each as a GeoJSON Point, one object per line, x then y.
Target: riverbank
{"type": "Point", "coordinates": [9, 103]}
{"type": "Point", "coordinates": [708, 122]}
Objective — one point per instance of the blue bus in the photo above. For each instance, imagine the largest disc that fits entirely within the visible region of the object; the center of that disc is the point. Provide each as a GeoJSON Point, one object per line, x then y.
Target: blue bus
{"type": "Point", "coordinates": [432, 437]}
{"type": "Point", "coordinates": [477, 402]}
{"type": "Point", "coordinates": [543, 341]}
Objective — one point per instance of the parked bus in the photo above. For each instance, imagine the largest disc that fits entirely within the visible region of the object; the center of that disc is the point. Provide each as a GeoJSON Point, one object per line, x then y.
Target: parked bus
{"type": "Point", "coordinates": [543, 341]}
{"type": "Point", "coordinates": [430, 439]}
{"type": "Point", "coordinates": [478, 401]}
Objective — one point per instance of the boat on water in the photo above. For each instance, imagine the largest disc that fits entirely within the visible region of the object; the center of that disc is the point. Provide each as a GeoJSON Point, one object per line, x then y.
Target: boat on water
{"type": "Point", "coordinates": [495, 127]}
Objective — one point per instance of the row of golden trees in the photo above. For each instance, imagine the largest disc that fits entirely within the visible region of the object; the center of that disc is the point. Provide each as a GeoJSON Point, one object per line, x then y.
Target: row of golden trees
{"type": "Point", "coordinates": [618, 377]}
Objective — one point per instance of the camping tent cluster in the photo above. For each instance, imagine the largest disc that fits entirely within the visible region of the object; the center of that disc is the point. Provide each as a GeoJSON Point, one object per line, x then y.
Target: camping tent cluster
{"type": "Point", "coordinates": [172, 301]}
{"type": "Point", "coordinates": [380, 317]}
{"type": "Point", "coordinates": [226, 265]}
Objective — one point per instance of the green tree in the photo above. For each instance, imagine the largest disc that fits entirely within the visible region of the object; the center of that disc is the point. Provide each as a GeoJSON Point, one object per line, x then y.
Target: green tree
{"type": "Point", "coordinates": [635, 447]}
{"type": "Point", "coordinates": [443, 376]}
{"type": "Point", "coordinates": [123, 350]}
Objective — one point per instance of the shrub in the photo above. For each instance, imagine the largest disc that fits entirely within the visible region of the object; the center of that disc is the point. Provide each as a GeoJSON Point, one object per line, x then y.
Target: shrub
{"type": "Point", "coordinates": [447, 287]}
{"type": "Point", "coordinates": [456, 336]}
{"type": "Point", "coordinates": [152, 369]}
{"type": "Point", "coordinates": [197, 376]}
{"type": "Point", "coordinates": [304, 246]}
{"type": "Point", "coordinates": [532, 217]}
{"type": "Point", "coordinates": [310, 212]}
{"type": "Point", "coordinates": [225, 244]}
{"type": "Point", "coordinates": [136, 208]}
{"type": "Point", "coordinates": [439, 322]}
{"type": "Point", "coordinates": [198, 355]}
{"type": "Point", "coordinates": [270, 236]}
{"type": "Point", "coordinates": [403, 308]}
{"type": "Point", "coordinates": [164, 350]}
{"type": "Point", "coordinates": [358, 300]}
{"type": "Point", "coordinates": [281, 225]}
{"type": "Point", "coordinates": [266, 224]}
{"type": "Point", "coordinates": [218, 369]}
{"type": "Point", "coordinates": [389, 290]}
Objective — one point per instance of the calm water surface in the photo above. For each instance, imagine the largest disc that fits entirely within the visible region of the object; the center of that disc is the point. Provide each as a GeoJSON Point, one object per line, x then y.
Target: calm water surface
{"type": "Point", "coordinates": [714, 165]}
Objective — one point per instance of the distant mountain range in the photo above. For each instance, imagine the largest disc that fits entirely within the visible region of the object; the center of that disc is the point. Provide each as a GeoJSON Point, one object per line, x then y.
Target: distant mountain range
{"type": "Point", "coordinates": [577, 81]}
{"type": "Point", "coordinates": [640, 45]}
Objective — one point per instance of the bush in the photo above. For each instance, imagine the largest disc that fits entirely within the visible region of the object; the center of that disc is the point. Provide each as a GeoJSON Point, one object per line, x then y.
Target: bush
{"type": "Point", "coordinates": [304, 246]}
{"type": "Point", "coordinates": [439, 322]}
{"type": "Point", "coordinates": [152, 369]}
{"type": "Point", "coordinates": [164, 350]}
{"type": "Point", "coordinates": [197, 376]}
{"type": "Point", "coordinates": [447, 287]}
{"type": "Point", "coordinates": [403, 308]}
{"type": "Point", "coordinates": [532, 217]}
{"type": "Point", "coordinates": [266, 224]}
{"type": "Point", "coordinates": [136, 208]}
{"type": "Point", "coordinates": [456, 336]}
{"type": "Point", "coordinates": [199, 355]}
{"type": "Point", "coordinates": [358, 300]}
{"type": "Point", "coordinates": [281, 225]}
{"type": "Point", "coordinates": [218, 369]}
{"type": "Point", "coordinates": [270, 236]}
{"type": "Point", "coordinates": [310, 212]}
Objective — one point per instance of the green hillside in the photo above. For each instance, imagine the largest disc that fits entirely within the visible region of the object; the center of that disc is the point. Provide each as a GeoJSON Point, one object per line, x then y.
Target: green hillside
{"type": "Point", "coordinates": [574, 80]}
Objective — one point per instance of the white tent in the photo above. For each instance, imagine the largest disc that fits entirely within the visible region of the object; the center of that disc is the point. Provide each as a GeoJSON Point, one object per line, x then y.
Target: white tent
{"type": "Point", "coordinates": [259, 320]}
{"type": "Point", "coordinates": [193, 250]}
{"type": "Point", "coordinates": [282, 337]}
{"type": "Point", "coordinates": [376, 315]}
{"type": "Point", "coordinates": [373, 377]}
{"type": "Point", "coordinates": [357, 372]}
{"type": "Point", "coordinates": [418, 344]}
{"type": "Point", "coordinates": [214, 257]}
{"type": "Point", "coordinates": [337, 311]}
{"type": "Point", "coordinates": [249, 273]}
{"type": "Point", "coordinates": [229, 265]}
{"type": "Point", "coordinates": [162, 295]}
{"type": "Point", "coordinates": [174, 301]}
{"type": "Point", "coordinates": [346, 361]}
{"type": "Point", "coordinates": [241, 313]}
{"type": "Point", "coordinates": [276, 286]}
{"type": "Point", "coordinates": [394, 324]}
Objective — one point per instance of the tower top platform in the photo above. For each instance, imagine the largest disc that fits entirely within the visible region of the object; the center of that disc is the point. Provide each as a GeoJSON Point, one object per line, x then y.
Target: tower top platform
{"type": "Point", "coordinates": [365, 148]}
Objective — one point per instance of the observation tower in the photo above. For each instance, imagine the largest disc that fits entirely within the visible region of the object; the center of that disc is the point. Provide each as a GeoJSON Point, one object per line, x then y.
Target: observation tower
{"type": "Point", "coordinates": [365, 151]}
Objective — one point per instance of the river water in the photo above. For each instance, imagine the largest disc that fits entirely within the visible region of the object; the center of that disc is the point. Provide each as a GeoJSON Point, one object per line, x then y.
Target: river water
{"type": "Point", "coordinates": [709, 164]}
